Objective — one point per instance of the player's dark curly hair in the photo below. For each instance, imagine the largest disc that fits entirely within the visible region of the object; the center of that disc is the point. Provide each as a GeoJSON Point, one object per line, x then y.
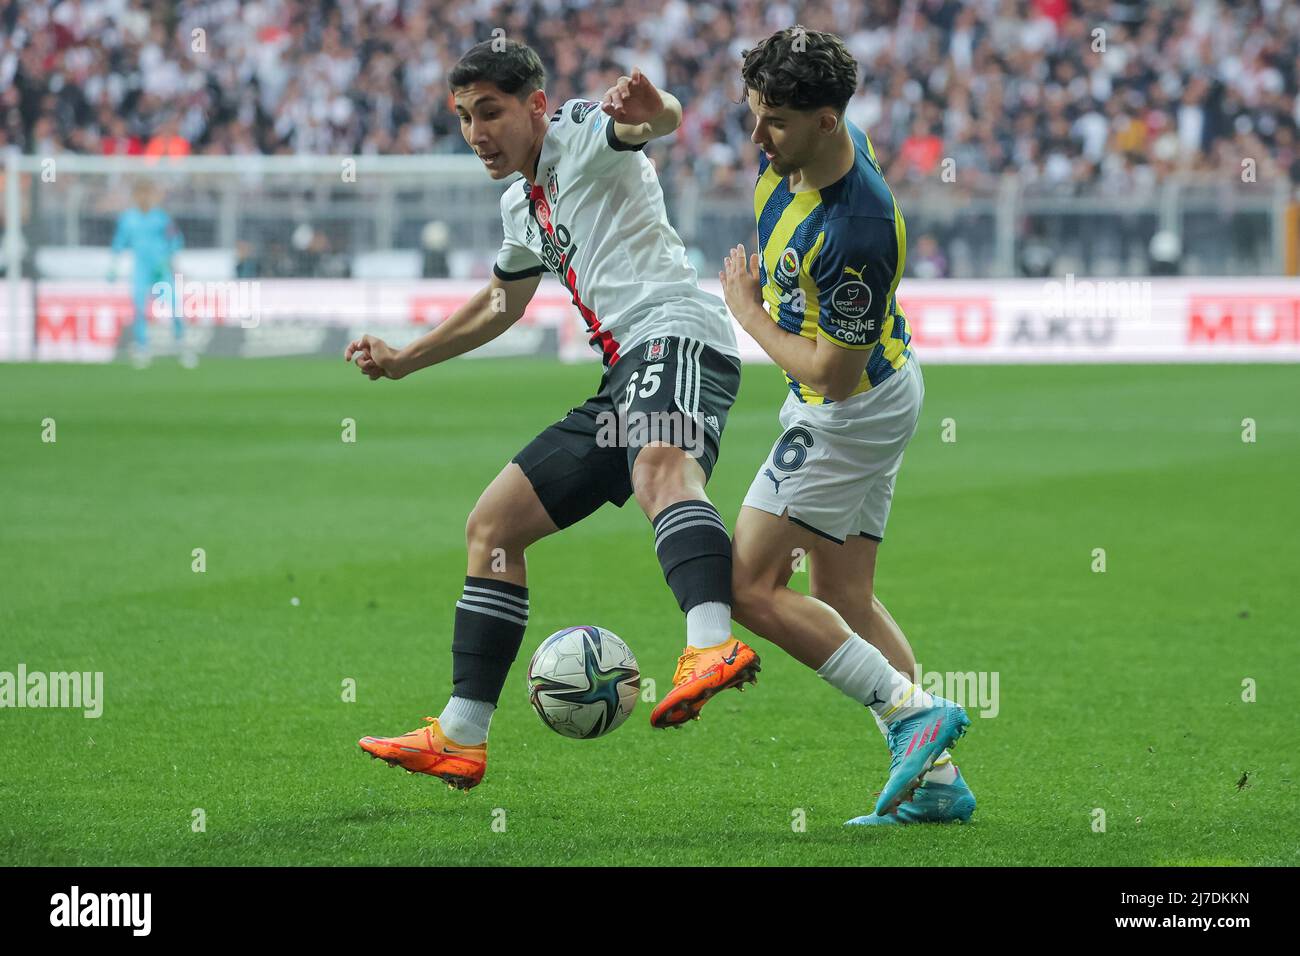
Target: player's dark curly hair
{"type": "Point", "coordinates": [801, 69]}
{"type": "Point", "coordinates": [513, 67]}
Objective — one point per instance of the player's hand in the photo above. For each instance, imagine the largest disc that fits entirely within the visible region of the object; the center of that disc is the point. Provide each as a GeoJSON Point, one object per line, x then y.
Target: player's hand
{"type": "Point", "coordinates": [375, 357]}
{"type": "Point", "coordinates": [740, 285]}
{"type": "Point", "coordinates": [633, 99]}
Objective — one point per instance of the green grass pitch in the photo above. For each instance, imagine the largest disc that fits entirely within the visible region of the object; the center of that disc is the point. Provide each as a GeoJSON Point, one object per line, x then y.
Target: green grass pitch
{"type": "Point", "coordinates": [1119, 691]}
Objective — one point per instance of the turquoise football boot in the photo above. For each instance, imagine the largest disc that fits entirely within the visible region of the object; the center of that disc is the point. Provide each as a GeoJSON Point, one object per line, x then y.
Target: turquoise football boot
{"type": "Point", "coordinates": [932, 803]}
{"type": "Point", "coordinates": [916, 743]}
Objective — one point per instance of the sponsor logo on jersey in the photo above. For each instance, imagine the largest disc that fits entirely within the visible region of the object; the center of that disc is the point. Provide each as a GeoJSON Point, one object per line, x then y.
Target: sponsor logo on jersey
{"type": "Point", "coordinates": [855, 332]}
{"type": "Point", "coordinates": [656, 350]}
{"type": "Point", "coordinates": [787, 296]}
{"type": "Point", "coordinates": [852, 299]}
{"type": "Point", "coordinates": [788, 267]}
{"type": "Point", "coordinates": [558, 247]}
{"type": "Point", "coordinates": [775, 480]}
{"type": "Point", "coordinates": [552, 185]}
{"type": "Point", "coordinates": [582, 109]}
{"type": "Point", "coordinates": [557, 252]}
{"type": "Point", "coordinates": [850, 303]}
{"type": "Point", "coordinates": [557, 242]}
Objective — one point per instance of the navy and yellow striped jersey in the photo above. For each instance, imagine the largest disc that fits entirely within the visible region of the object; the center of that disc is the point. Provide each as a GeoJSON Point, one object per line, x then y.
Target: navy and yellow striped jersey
{"type": "Point", "coordinates": [830, 260]}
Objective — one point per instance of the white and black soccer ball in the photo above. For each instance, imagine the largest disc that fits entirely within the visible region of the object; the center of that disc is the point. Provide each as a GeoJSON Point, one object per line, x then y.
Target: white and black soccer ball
{"type": "Point", "coordinates": [583, 681]}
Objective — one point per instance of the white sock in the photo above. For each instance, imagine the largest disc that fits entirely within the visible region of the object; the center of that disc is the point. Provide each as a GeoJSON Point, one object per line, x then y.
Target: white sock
{"type": "Point", "coordinates": [466, 721]}
{"type": "Point", "coordinates": [860, 671]}
{"type": "Point", "coordinates": [708, 624]}
{"type": "Point", "coordinates": [943, 771]}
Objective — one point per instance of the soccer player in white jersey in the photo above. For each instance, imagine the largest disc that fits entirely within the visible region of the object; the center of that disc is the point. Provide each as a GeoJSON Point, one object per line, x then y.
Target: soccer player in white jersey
{"type": "Point", "coordinates": [819, 298]}
{"type": "Point", "coordinates": [588, 207]}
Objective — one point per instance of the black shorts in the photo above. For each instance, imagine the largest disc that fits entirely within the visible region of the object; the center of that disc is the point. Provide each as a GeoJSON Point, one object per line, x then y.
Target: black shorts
{"type": "Point", "coordinates": [670, 389]}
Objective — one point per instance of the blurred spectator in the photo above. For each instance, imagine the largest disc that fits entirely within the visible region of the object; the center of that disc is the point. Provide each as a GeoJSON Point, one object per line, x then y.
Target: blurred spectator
{"type": "Point", "coordinates": [1164, 254]}
{"type": "Point", "coordinates": [1037, 255]}
{"type": "Point", "coordinates": [919, 156]}
{"type": "Point", "coordinates": [435, 238]}
{"type": "Point", "coordinates": [925, 260]}
{"type": "Point", "coordinates": [118, 141]}
{"type": "Point", "coordinates": [167, 141]}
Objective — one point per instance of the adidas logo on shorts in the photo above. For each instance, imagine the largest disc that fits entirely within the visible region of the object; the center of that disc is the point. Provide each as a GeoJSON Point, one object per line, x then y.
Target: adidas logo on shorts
{"type": "Point", "coordinates": [712, 422]}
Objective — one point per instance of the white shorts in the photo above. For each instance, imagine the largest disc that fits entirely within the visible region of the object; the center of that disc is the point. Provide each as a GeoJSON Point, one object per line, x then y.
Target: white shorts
{"type": "Point", "coordinates": [833, 469]}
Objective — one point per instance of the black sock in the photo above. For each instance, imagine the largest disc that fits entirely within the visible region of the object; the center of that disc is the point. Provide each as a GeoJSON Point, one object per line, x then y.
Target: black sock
{"type": "Point", "coordinates": [490, 619]}
{"type": "Point", "coordinates": [694, 550]}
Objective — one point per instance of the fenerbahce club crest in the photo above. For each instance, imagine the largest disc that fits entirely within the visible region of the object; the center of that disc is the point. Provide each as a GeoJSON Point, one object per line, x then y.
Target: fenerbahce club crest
{"type": "Point", "coordinates": [788, 266]}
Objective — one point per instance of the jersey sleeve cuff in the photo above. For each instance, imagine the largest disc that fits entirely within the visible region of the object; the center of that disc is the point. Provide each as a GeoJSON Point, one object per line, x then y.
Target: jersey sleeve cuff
{"type": "Point", "coordinates": [521, 274]}
{"type": "Point", "coordinates": [844, 345]}
{"type": "Point", "coordinates": [617, 144]}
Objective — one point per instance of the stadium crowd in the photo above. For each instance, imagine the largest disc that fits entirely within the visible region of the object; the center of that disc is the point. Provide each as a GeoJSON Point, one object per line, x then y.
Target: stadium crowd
{"type": "Point", "coordinates": [1069, 94]}
{"type": "Point", "coordinates": [1096, 98]}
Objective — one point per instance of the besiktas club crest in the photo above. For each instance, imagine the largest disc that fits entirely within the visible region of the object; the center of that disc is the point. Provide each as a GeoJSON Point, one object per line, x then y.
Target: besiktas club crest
{"type": "Point", "coordinates": [656, 350]}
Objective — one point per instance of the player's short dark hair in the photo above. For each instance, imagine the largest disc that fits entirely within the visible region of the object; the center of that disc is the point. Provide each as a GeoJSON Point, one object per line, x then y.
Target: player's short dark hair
{"type": "Point", "coordinates": [801, 69]}
{"type": "Point", "coordinates": [511, 66]}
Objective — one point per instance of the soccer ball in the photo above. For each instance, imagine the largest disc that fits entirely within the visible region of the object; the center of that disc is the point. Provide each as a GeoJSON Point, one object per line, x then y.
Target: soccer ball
{"type": "Point", "coordinates": [583, 681]}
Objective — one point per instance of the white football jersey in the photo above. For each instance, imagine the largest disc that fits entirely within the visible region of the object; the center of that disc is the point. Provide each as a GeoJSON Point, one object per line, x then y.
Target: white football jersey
{"type": "Point", "coordinates": [596, 218]}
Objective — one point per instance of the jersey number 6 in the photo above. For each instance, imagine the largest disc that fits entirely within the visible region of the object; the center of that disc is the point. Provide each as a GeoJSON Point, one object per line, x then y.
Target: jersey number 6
{"type": "Point", "coordinates": [792, 449]}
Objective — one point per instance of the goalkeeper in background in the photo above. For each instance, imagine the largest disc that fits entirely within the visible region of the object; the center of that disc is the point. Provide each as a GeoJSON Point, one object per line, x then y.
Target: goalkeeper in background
{"type": "Point", "coordinates": [151, 235]}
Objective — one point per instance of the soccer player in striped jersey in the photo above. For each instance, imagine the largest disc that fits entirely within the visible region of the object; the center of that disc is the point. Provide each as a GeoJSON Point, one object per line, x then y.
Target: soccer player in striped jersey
{"type": "Point", "coordinates": [587, 207]}
{"type": "Point", "coordinates": [819, 297]}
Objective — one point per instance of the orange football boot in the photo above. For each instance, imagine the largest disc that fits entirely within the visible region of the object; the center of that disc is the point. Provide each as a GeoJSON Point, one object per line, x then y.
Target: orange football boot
{"type": "Point", "coordinates": [428, 750]}
{"type": "Point", "coordinates": [702, 673]}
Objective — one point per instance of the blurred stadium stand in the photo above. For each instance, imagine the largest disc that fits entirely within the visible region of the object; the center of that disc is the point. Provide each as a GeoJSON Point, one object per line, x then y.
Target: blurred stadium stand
{"type": "Point", "coordinates": [1104, 137]}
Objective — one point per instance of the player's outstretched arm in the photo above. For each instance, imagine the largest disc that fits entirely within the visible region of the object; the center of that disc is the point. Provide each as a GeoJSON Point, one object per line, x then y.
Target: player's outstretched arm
{"type": "Point", "coordinates": [641, 111]}
{"type": "Point", "coordinates": [819, 363]}
{"type": "Point", "coordinates": [491, 311]}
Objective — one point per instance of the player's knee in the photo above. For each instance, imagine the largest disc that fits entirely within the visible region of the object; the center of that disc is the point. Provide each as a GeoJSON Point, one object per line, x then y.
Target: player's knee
{"type": "Point", "coordinates": [487, 530]}
{"type": "Point", "coordinates": [658, 478]}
